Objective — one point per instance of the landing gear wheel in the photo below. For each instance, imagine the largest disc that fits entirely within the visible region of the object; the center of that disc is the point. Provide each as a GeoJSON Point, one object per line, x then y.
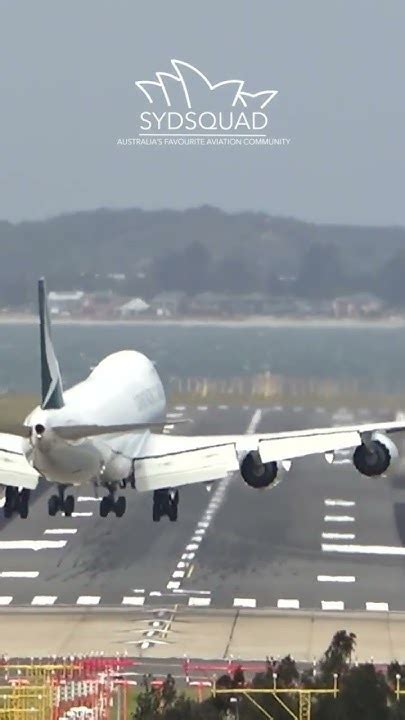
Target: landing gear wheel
{"type": "Point", "coordinates": [120, 506]}
{"type": "Point", "coordinates": [53, 505]}
{"type": "Point", "coordinates": [68, 505]}
{"type": "Point", "coordinates": [23, 503]}
{"type": "Point", "coordinates": [156, 512]}
{"type": "Point", "coordinates": [172, 512]}
{"type": "Point", "coordinates": [105, 506]}
{"type": "Point", "coordinates": [10, 501]}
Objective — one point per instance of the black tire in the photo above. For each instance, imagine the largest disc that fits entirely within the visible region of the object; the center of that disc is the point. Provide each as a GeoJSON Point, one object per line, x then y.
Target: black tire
{"type": "Point", "coordinates": [156, 515]}
{"type": "Point", "coordinates": [53, 505]}
{"type": "Point", "coordinates": [120, 506]}
{"type": "Point", "coordinates": [105, 506]}
{"type": "Point", "coordinates": [10, 501]}
{"type": "Point", "coordinates": [23, 503]}
{"type": "Point", "coordinates": [172, 512]}
{"type": "Point", "coordinates": [68, 505]}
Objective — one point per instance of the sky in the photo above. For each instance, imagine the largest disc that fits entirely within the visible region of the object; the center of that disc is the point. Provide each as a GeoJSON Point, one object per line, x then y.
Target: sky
{"type": "Point", "coordinates": [67, 88]}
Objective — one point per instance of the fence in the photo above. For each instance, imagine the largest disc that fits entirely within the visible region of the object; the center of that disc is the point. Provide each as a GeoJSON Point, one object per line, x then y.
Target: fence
{"type": "Point", "coordinates": [268, 389]}
{"type": "Point", "coordinates": [77, 688]}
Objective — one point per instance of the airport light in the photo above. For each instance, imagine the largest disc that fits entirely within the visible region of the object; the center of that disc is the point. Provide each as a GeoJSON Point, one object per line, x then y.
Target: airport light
{"type": "Point", "coordinates": [397, 688]}
{"type": "Point", "coordinates": [235, 702]}
{"type": "Point", "coordinates": [274, 680]}
{"type": "Point", "coordinates": [335, 679]}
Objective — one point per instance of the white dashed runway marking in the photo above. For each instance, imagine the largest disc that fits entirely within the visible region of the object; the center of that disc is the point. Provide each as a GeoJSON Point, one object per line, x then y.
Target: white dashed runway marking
{"type": "Point", "coordinates": [377, 606]}
{"type": "Point", "coordinates": [199, 601]}
{"type": "Point", "coordinates": [338, 536]}
{"type": "Point", "coordinates": [336, 578]}
{"type": "Point", "coordinates": [88, 498]}
{"type": "Point", "coordinates": [288, 604]}
{"type": "Point", "coordinates": [80, 514]}
{"type": "Point", "coordinates": [244, 602]}
{"type": "Point", "coordinates": [339, 503]}
{"type": "Point", "coordinates": [332, 605]}
{"type": "Point", "coordinates": [60, 531]}
{"type": "Point", "coordinates": [339, 518]}
{"type": "Point", "coordinates": [364, 549]}
{"type": "Point", "coordinates": [44, 600]}
{"type": "Point", "coordinates": [6, 599]}
{"type": "Point", "coordinates": [204, 522]}
{"type": "Point", "coordinates": [32, 544]}
{"type": "Point", "coordinates": [19, 574]}
{"type": "Point", "coordinates": [88, 600]}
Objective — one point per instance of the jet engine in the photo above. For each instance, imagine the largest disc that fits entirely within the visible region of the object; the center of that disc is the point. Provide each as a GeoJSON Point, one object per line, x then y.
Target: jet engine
{"type": "Point", "coordinates": [375, 457]}
{"type": "Point", "coordinates": [257, 474]}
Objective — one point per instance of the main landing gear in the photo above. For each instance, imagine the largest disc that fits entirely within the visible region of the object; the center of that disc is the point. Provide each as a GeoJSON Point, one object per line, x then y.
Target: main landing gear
{"type": "Point", "coordinates": [165, 502]}
{"type": "Point", "coordinates": [16, 501]}
{"type": "Point", "coordinates": [110, 503]}
{"type": "Point", "coordinates": [60, 503]}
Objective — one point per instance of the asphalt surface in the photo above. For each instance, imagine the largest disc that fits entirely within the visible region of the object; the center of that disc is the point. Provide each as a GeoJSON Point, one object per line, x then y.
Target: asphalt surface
{"type": "Point", "coordinates": [232, 547]}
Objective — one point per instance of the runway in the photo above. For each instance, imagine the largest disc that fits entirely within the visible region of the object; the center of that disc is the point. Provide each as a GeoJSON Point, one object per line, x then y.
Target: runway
{"type": "Point", "coordinates": [325, 540]}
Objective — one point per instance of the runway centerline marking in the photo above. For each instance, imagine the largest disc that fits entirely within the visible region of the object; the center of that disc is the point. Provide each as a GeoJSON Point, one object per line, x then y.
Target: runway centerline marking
{"type": "Point", "coordinates": [216, 500]}
{"type": "Point", "coordinates": [339, 503]}
{"type": "Point", "coordinates": [88, 498]}
{"type": "Point", "coordinates": [60, 531]}
{"type": "Point", "coordinates": [336, 578]}
{"type": "Point", "coordinates": [338, 536]}
{"type": "Point", "coordinates": [364, 549]}
{"type": "Point", "coordinates": [79, 514]}
{"type": "Point", "coordinates": [339, 518]}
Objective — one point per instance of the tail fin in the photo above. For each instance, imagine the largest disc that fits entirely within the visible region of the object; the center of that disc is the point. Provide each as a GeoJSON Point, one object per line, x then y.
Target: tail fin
{"type": "Point", "coordinates": [52, 390]}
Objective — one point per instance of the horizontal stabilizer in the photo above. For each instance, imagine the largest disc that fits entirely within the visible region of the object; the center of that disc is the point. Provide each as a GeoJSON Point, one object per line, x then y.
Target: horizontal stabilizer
{"type": "Point", "coordinates": [77, 432]}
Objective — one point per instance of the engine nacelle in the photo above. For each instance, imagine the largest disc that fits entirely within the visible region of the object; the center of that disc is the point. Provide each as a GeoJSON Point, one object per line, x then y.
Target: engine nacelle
{"type": "Point", "coordinates": [375, 457]}
{"type": "Point", "coordinates": [257, 474]}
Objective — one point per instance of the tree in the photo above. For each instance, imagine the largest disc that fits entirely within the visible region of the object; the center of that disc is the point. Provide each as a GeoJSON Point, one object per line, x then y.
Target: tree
{"type": "Point", "coordinates": [338, 654]}
{"type": "Point", "coordinates": [321, 274]}
{"type": "Point", "coordinates": [147, 705]}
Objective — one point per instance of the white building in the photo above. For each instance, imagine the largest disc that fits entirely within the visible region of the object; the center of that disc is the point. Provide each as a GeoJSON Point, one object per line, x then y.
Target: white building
{"type": "Point", "coordinates": [65, 302]}
{"type": "Point", "coordinates": [133, 307]}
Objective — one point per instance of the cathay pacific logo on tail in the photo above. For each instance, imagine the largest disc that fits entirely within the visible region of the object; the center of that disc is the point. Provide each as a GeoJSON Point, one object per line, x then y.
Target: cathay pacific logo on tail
{"type": "Point", "coordinates": [184, 107]}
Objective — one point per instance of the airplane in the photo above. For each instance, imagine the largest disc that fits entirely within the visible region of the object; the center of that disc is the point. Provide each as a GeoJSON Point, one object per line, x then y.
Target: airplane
{"type": "Point", "coordinates": [107, 430]}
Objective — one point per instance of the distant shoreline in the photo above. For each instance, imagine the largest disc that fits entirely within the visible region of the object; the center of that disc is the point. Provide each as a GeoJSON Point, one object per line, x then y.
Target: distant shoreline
{"type": "Point", "coordinates": [258, 321]}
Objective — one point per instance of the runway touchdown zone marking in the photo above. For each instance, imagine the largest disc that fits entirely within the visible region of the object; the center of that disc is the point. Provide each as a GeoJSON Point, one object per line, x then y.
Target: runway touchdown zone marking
{"type": "Point", "coordinates": [19, 574]}
{"type": "Point", "coordinates": [32, 544]}
{"type": "Point", "coordinates": [364, 549]}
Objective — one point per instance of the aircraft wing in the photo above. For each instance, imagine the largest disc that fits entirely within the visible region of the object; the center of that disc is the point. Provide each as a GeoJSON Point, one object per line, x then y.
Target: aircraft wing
{"type": "Point", "coordinates": [14, 468]}
{"type": "Point", "coordinates": [174, 460]}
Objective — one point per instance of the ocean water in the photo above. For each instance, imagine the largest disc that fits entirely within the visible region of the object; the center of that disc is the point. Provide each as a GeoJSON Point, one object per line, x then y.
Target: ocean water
{"type": "Point", "coordinates": [374, 355]}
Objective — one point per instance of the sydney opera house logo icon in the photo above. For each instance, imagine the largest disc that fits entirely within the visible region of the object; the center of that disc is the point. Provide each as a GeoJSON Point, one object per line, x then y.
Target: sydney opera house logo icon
{"type": "Point", "coordinates": [152, 89]}
{"type": "Point", "coordinates": [186, 103]}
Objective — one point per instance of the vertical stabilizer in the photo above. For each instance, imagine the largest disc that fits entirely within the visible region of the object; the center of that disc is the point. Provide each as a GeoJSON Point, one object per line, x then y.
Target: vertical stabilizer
{"type": "Point", "coordinates": [52, 391]}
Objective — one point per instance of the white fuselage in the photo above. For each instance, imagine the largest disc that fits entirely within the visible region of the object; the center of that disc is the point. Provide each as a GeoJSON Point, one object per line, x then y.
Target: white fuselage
{"type": "Point", "coordinates": [123, 388]}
